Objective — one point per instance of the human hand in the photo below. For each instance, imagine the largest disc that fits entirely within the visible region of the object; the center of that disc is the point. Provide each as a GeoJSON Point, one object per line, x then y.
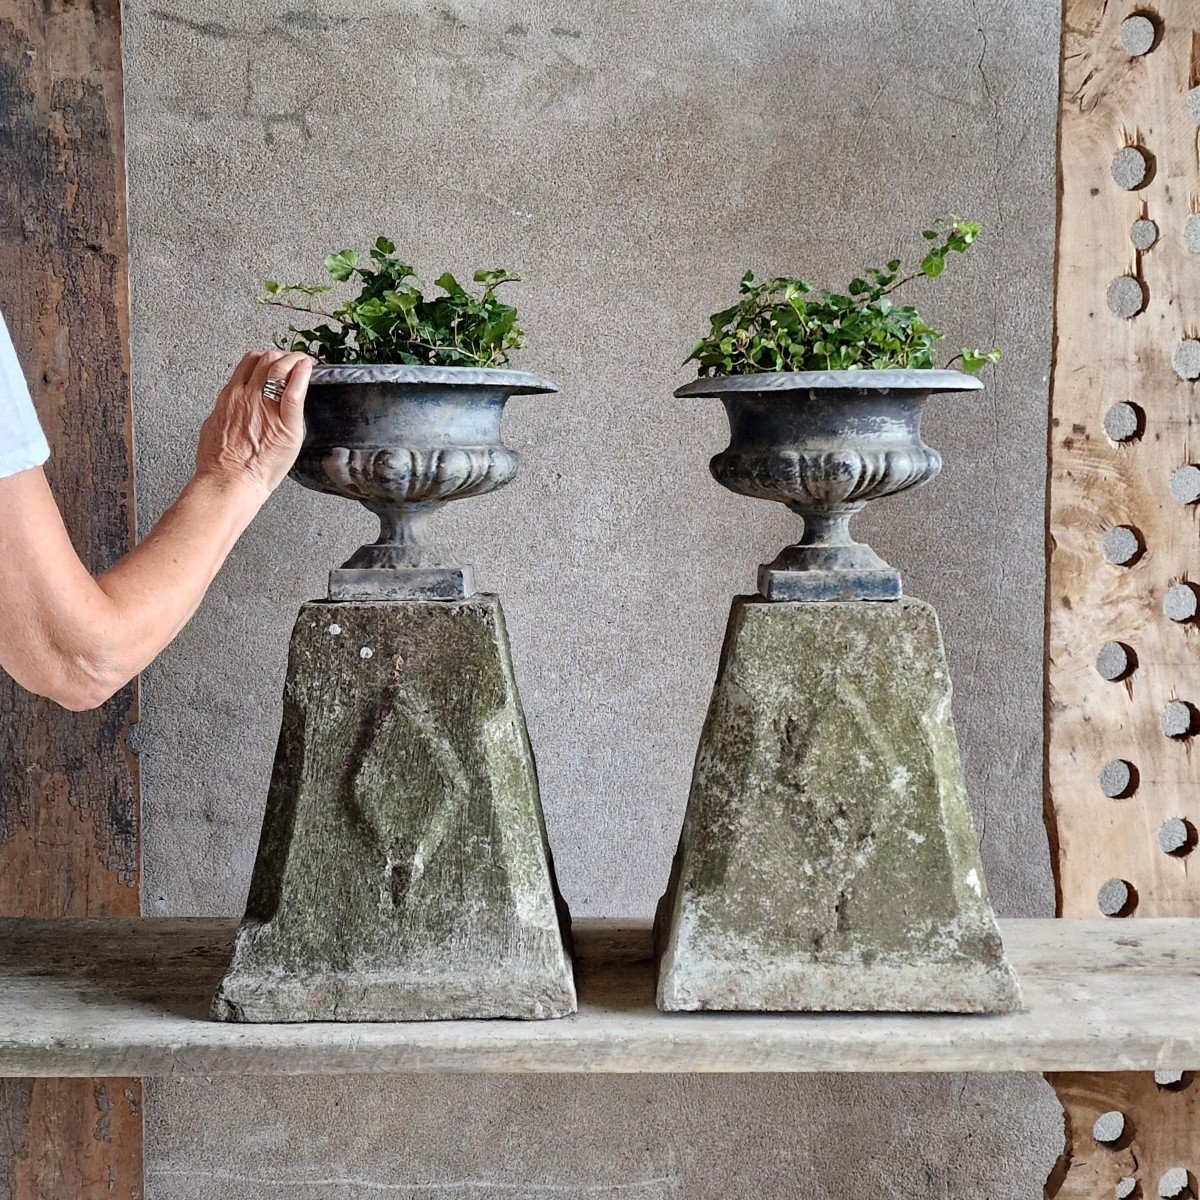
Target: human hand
{"type": "Point", "coordinates": [248, 437]}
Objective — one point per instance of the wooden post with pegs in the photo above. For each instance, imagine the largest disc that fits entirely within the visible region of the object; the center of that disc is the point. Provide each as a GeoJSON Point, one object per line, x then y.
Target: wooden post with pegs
{"type": "Point", "coordinates": [1123, 642]}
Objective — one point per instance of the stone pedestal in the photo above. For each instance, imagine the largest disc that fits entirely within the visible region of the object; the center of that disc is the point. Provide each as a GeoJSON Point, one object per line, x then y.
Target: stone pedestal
{"type": "Point", "coordinates": [403, 871]}
{"type": "Point", "coordinates": [828, 860]}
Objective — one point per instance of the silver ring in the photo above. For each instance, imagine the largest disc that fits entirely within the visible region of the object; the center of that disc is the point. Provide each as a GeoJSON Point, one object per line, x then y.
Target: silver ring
{"type": "Point", "coordinates": [273, 389]}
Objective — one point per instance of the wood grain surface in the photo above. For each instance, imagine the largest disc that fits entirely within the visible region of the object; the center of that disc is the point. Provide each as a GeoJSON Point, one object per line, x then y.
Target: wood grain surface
{"type": "Point", "coordinates": [98, 996]}
{"type": "Point", "coordinates": [69, 839]}
{"type": "Point", "coordinates": [1113, 100]}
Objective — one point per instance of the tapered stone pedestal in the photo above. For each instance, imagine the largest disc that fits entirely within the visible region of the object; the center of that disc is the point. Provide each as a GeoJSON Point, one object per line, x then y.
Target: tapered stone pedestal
{"type": "Point", "coordinates": [828, 859]}
{"type": "Point", "coordinates": [403, 871]}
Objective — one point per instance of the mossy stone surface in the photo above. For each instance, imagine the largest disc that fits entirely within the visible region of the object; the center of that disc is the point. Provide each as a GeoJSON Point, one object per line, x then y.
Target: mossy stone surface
{"type": "Point", "coordinates": [403, 871]}
{"type": "Point", "coordinates": [828, 859]}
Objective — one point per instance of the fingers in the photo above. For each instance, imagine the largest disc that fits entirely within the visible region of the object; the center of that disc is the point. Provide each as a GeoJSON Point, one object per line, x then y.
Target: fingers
{"type": "Point", "coordinates": [244, 369]}
{"type": "Point", "coordinates": [262, 370]}
{"type": "Point", "coordinates": [291, 403]}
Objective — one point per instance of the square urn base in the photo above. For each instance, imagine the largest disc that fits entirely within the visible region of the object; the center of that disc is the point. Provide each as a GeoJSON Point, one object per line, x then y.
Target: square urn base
{"type": "Point", "coordinates": [403, 871]}
{"type": "Point", "coordinates": [828, 859]}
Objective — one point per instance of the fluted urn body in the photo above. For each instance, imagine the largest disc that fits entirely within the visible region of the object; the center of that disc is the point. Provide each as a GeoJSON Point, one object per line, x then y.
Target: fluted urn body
{"type": "Point", "coordinates": [403, 441]}
{"type": "Point", "coordinates": [825, 443]}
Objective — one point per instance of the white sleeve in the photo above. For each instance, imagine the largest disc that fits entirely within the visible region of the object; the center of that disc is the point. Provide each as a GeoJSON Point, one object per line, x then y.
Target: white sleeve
{"type": "Point", "coordinates": [22, 443]}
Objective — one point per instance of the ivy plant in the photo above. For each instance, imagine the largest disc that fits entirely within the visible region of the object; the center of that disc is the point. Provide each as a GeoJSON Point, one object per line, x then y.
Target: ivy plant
{"type": "Point", "coordinates": [785, 325]}
{"type": "Point", "coordinates": [391, 320]}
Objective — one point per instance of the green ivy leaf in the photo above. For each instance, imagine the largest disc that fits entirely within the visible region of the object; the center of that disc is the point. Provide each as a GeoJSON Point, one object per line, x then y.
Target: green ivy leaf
{"type": "Point", "coordinates": [341, 265]}
{"type": "Point", "coordinates": [448, 283]}
{"type": "Point", "coordinates": [933, 264]}
{"type": "Point", "coordinates": [973, 361]}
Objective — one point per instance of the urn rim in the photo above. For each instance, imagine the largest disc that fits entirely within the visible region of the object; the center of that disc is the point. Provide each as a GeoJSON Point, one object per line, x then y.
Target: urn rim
{"type": "Point", "coordinates": [516, 383]}
{"type": "Point", "coordinates": [863, 380]}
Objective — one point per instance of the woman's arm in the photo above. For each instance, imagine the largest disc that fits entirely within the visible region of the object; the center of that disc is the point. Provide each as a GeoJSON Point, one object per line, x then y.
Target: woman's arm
{"type": "Point", "coordinates": [78, 639]}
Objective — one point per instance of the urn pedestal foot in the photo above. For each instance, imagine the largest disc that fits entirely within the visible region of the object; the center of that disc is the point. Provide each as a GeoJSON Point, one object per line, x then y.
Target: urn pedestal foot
{"type": "Point", "coordinates": [402, 583]}
{"type": "Point", "coordinates": [828, 564]}
{"type": "Point", "coordinates": [814, 585]}
{"type": "Point", "coordinates": [828, 860]}
{"type": "Point", "coordinates": [403, 871]}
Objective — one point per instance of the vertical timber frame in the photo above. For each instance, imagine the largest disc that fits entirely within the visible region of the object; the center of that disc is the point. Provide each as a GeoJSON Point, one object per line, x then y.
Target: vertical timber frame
{"type": "Point", "coordinates": [1123, 651]}
{"type": "Point", "coordinates": [69, 811]}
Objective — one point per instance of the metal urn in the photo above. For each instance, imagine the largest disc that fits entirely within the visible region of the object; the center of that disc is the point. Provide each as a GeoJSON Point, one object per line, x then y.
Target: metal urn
{"type": "Point", "coordinates": [825, 443]}
{"type": "Point", "coordinates": [403, 441]}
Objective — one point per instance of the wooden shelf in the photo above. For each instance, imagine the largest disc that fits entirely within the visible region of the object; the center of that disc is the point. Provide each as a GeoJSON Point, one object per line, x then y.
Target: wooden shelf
{"type": "Point", "coordinates": [120, 997]}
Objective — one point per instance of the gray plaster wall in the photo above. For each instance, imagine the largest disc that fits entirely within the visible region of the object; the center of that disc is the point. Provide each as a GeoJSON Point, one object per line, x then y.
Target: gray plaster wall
{"type": "Point", "coordinates": [632, 159]}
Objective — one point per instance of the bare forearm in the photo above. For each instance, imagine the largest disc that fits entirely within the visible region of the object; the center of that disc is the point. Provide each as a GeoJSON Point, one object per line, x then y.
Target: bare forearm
{"type": "Point", "coordinates": [154, 590]}
{"type": "Point", "coordinates": [77, 639]}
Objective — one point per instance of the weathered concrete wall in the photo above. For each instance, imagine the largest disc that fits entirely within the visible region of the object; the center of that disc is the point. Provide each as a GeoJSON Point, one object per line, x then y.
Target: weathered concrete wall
{"type": "Point", "coordinates": [632, 160]}
{"type": "Point", "coordinates": [693, 1137]}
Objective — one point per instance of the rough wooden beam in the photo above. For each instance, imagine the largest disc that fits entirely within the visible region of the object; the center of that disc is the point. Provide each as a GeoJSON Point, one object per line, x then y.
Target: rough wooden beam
{"type": "Point", "coordinates": [1155, 1133]}
{"type": "Point", "coordinates": [1123, 684]}
{"type": "Point", "coordinates": [1116, 659]}
{"type": "Point", "coordinates": [78, 997]}
{"type": "Point", "coordinates": [69, 837]}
